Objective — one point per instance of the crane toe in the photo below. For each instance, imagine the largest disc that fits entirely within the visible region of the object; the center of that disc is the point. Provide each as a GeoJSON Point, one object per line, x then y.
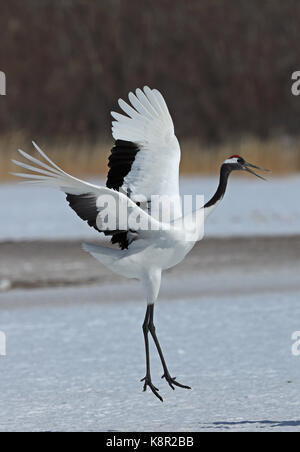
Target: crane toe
{"type": "Point", "coordinates": [172, 382]}
{"type": "Point", "coordinates": [149, 383]}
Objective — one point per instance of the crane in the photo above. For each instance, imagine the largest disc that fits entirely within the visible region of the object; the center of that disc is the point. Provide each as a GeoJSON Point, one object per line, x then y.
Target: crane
{"type": "Point", "coordinates": [143, 164]}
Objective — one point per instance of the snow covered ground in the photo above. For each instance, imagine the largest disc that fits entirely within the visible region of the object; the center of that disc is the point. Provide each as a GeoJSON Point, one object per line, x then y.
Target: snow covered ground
{"type": "Point", "coordinates": [225, 318]}
{"type": "Point", "coordinates": [74, 364]}
{"type": "Point", "coordinates": [251, 207]}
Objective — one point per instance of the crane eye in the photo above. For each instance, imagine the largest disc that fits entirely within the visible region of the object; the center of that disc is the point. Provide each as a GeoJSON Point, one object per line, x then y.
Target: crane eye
{"type": "Point", "coordinates": [241, 161]}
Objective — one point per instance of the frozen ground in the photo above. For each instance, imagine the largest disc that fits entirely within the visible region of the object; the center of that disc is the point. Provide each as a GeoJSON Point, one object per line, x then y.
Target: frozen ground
{"type": "Point", "coordinates": [60, 263]}
{"type": "Point", "coordinates": [75, 355]}
{"type": "Point", "coordinates": [251, 207]}
{"type": "Point", "coordinates": [225, 318]}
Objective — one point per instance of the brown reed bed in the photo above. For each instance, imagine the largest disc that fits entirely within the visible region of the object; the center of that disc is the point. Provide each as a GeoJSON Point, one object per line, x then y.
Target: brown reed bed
{"type": "Point", "coordinates": [82, 158]}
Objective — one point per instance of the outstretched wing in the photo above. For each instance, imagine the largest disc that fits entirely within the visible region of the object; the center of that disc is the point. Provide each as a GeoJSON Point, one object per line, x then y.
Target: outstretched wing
{"type": "Point", "coordinates": [104, 209]}
{"type": "Point", "coordinates": [146, 156]}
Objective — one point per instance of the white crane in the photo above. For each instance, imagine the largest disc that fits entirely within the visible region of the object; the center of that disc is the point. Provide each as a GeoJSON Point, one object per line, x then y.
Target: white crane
{"type": "Point", "coordinates": [144, 162]}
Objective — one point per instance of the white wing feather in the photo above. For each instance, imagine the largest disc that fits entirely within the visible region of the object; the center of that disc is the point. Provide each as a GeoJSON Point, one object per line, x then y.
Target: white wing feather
{"type": "Point", "coordinates": [155, 170]}
{"type": "Point", "coordinates": [53, 176]}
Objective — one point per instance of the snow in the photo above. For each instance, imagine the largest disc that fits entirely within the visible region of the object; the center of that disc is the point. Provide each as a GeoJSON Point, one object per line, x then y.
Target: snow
{"type": "Point", "coordinates": [74, 361]}
{"type": "Point", "coordinates": [251, 207]}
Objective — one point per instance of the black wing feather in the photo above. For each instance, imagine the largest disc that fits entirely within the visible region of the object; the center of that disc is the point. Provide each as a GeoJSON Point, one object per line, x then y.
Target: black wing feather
{"type": "Point", "coordinates": [120, 162]}
{"type": "Point", "coordinates": [85, 206]}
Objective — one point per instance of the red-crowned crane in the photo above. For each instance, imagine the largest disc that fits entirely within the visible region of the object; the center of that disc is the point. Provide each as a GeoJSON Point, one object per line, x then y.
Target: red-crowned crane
{"type": "Point", "coordinates": [144, 162]}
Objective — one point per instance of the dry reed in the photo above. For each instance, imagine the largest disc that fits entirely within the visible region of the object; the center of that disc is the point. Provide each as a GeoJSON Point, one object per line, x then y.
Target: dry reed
{"type": "Point", "coordinates": [282, 155]}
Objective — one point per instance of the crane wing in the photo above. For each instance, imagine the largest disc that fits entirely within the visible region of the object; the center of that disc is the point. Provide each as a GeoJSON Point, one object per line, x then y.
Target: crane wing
{"type": "Point", "coordinates": [146, 156]}
{"type": "Point", "coordinates": [105, 209]}
{"type": "Point", "coordinates": [144, 162]}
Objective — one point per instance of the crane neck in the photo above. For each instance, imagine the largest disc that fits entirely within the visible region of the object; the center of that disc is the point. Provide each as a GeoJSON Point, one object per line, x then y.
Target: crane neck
{"type": "Point", "coordinates": [193, 222]}
{"type": "Point", "coordinates": [219, 195]}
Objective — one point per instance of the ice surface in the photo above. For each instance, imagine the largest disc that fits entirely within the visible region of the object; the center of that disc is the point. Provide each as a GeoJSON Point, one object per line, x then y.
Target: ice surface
{"type": "Point", "coordinates": [251, 207]}
{"type": "Point", "coordinates": [74, 363]}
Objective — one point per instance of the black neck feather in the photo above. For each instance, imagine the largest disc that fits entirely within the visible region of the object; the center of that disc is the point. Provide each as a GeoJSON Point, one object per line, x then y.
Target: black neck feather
{"type": "Point", "coordinates": [224, 174]}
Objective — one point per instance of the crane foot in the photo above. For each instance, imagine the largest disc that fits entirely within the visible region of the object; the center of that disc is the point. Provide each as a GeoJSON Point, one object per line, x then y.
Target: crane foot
{"type": "Point", "coordinates": [172, 382]}
{"type": "Point", "coordinates": [149, 383]}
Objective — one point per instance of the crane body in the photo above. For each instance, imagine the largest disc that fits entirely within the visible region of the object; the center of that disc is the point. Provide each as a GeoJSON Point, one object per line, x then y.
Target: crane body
{"type": "Point", "coordinates": [144, 162]}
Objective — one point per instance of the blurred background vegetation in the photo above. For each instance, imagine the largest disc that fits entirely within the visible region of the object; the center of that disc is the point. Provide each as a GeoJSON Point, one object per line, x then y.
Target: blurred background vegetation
{"type": "Point", "coordinates": [223, 66]}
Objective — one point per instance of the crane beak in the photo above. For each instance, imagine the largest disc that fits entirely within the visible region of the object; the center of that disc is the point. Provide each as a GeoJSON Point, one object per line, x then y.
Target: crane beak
{"type": "Point", "coordinates": [247, 167]}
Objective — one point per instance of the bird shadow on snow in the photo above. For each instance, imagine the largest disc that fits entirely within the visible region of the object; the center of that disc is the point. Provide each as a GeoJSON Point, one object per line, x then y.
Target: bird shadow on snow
{"type": "Point", "coordinates": [261, 424]}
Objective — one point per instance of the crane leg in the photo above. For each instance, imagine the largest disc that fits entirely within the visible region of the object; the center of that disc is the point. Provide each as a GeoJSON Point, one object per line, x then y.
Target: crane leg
{"type": "Point", "coordinates": [171, 380]}
{"type": "Point", "coordinates": [147, 378]}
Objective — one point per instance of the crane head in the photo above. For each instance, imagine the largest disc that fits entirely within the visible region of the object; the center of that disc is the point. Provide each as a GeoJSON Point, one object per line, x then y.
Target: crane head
{"type": "Point", "coordinates": [237, 163]}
